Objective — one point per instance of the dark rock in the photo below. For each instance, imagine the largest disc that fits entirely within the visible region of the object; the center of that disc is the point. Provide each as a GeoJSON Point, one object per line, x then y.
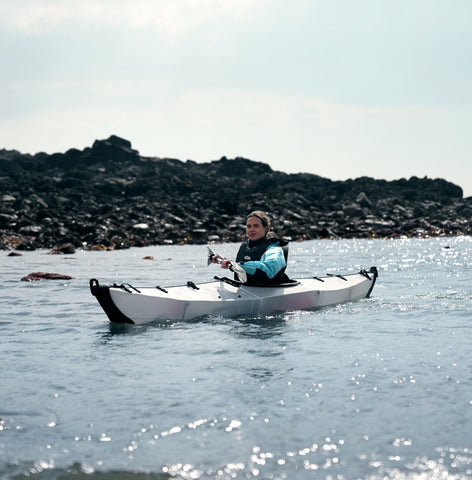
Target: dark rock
{"type": "Point", "coordinates": [65, 248]}
{"type": "Point", "coordinates": [26, 246]}
{"type": "Point", "coordinates": [36, 276]}
{"type": "Point", "coordinates": [363, 200]}
{"type": "Point", "coordinates": [353, 210]}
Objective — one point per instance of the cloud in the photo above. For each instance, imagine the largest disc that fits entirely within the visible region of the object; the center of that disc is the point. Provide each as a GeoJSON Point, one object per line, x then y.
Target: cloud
{"type": "Point", "coordinates": [164, 17]}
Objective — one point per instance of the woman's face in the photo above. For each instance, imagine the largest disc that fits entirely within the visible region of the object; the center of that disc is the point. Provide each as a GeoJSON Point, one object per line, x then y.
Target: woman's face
{"type": "Point", "coordinates": [254, 229]}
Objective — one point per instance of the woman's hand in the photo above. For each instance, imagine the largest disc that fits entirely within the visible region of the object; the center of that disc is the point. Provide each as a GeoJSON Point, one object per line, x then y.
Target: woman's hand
{"type": "Point", "coordinates": [216, 258]}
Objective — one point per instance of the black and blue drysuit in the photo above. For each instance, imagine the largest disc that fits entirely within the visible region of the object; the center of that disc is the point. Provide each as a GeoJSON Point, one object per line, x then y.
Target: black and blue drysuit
{"type": "Point", "coordinates": [264, 261]}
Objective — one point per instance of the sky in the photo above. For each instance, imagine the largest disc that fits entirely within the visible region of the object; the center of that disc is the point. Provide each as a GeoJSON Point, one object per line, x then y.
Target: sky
{"type": "Point", "coordinates": [337, 88]}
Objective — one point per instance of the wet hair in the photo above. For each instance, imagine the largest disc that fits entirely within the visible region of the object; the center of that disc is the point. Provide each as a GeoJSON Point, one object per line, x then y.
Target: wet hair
{"type": "Point", "coordinates": [264, 218]}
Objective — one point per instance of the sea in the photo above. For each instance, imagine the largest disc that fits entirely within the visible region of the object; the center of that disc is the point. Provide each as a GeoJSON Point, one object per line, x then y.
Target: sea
{"type": "Point", "coordinates": [379, 388]}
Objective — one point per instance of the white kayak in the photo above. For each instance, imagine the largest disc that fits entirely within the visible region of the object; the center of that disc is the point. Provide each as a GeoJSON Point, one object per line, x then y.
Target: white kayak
{"type": "Point", "coordinates": [127, 304]}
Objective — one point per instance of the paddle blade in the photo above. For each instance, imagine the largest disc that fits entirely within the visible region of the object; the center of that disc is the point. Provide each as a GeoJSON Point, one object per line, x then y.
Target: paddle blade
{"type": "Point", "coordinates": [239, 271]}
{"type": "Point", "coordinates": [210, 256]}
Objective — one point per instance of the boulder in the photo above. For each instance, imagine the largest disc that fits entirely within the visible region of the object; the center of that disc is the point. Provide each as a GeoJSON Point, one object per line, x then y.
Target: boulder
{"type": "Point", "coordinates": [65, 248]}
{"type": "Point", "coordinates": [35, 276]}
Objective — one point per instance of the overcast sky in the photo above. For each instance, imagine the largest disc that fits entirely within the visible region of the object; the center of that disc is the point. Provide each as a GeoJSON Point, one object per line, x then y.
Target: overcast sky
{"type": "Point", "coordinates": [339, 88]}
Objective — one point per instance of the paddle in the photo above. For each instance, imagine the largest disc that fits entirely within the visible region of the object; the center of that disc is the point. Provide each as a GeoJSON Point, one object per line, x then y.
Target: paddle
{"type": "Point", "coordinates": [233, 266]}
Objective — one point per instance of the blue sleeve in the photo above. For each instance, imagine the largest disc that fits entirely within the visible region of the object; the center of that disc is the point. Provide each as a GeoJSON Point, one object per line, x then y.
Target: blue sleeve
{"type": "Point", "coordinates": [271, 262]}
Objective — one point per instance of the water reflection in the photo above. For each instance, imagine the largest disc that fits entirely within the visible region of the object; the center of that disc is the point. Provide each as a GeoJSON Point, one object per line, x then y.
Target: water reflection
{"type": "Point", "coordinates": [125, 329]}
{"type": "Point", "coordinates": [260, 327]}
{"type": "Point", "coordinates": [131, 329]}
{"type": "Point", "coordinates": [116, 329]}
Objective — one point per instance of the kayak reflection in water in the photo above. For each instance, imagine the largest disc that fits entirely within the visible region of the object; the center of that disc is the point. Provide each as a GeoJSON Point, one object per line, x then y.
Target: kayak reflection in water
{"type": "Point", "coordinates": [262, 256]}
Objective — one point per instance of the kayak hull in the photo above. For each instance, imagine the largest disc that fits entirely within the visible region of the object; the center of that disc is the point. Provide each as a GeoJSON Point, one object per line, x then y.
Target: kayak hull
{"type": "Point", "coordinates": [127, 304]}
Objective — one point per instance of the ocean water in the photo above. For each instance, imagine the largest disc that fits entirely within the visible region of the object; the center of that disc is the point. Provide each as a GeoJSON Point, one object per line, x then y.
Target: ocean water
{"type": "Point", "coordinates": [375, 389]}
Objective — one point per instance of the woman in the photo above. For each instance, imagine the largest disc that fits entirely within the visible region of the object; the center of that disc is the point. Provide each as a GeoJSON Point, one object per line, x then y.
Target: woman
{"type": "Point", "coordinates": [261, 255]}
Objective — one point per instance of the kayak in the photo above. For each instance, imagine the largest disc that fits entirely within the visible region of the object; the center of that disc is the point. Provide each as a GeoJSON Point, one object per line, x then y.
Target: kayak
{"type": "Point", "coordinates": [226, 297]}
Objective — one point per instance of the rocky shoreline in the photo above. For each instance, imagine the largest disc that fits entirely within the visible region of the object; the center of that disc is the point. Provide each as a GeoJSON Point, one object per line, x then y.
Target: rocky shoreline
{"type": "Point", "coordinates": [109, 196]}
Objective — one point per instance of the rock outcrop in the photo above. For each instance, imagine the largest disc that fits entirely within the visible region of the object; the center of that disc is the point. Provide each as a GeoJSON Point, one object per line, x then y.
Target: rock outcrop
{"type": "Point", "coordinates": [108, 196]}
{"type": "Point", "coordinates": [37, 276]}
